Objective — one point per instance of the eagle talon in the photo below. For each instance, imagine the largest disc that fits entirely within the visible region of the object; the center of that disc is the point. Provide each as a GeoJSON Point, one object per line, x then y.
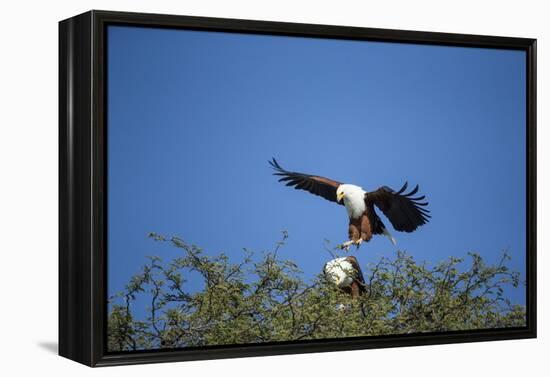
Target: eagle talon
{"type": "Point", "coordinates": [345, 245]}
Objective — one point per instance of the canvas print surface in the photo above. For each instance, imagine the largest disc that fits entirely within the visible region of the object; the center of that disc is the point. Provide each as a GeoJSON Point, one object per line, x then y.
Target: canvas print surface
{"type": "Point", "coordinates": [279, 189]}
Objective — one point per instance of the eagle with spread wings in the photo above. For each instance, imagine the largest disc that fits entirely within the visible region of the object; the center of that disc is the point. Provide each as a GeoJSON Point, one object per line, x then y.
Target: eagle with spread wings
{"type": "Point", "coordinates": [405, 211]}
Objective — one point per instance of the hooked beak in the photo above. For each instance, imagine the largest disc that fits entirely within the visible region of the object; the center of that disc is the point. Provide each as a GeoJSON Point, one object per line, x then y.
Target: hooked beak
{"type": "Point", "coordinates": [339, 197]}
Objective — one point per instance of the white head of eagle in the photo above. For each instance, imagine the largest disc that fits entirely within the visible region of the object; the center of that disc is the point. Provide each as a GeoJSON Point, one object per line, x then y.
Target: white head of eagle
{"type": "Point", "coordinates": [404, 211]}
{"type": "Point", "coordinates": [354, 199]}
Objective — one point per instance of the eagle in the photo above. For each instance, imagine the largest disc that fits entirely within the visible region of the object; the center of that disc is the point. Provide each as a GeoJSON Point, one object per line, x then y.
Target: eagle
{"type": "Point", "coordinates": [405, 211]}
{"type": "Point", "coordinates": [346, 274]}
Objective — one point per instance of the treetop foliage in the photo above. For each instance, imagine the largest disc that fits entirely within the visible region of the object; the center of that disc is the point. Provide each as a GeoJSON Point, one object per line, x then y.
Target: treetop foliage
{"type": "Point", "coordinates": [263, 298]}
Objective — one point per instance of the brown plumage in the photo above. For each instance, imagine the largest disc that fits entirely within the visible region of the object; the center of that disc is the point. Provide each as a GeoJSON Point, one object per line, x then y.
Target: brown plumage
{"type": "Point", "coordinates": [357, 287]}
{"type": "Point", "coordinates": [364, 227]}
{"type": "Point", "coordinates": [405, 212]}
{"type": "Point", "coordinates": [314, 184]}
{"type": "Point", "coordinates": [346, 274]}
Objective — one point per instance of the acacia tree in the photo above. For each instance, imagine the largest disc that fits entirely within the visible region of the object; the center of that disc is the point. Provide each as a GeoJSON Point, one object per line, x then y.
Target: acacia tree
{"type": "Point", "coordinates": [265, 299]}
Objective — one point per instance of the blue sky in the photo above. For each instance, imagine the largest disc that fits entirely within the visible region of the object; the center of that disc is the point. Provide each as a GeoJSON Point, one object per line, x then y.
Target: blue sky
{"type": "Point", "coordinates": [194, 116]}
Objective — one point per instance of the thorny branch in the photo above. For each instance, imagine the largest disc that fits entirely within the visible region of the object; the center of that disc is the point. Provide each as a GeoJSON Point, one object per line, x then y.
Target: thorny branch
{"type": "Point", "coordinates": [265, 299]}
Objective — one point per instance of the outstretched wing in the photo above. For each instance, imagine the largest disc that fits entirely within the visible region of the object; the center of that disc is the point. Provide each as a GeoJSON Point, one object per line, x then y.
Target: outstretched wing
{"type": "Point", "coordinates": [405, 212]}
{"type": "Point", "coordinates": [314, 184]}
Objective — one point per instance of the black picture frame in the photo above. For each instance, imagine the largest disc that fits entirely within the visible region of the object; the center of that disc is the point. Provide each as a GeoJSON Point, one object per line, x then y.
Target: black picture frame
{"type": "Point", "coordinates": [83, 197]}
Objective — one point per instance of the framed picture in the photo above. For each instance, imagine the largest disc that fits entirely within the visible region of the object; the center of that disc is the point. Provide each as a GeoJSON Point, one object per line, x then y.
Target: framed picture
{"type": "Point", "coordinates": [238, 188]}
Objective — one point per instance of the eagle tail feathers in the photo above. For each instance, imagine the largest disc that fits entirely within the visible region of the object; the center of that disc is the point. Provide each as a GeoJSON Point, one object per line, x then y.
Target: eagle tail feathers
{"type": "Point", "coordinates": [388, 234]}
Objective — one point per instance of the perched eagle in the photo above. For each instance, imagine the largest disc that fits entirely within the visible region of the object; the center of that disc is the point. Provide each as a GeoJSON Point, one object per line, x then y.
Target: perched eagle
{"type": "Point", "coordinates": [346, 274]}
{"type": "Point", "coordinates": [405, 212]}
